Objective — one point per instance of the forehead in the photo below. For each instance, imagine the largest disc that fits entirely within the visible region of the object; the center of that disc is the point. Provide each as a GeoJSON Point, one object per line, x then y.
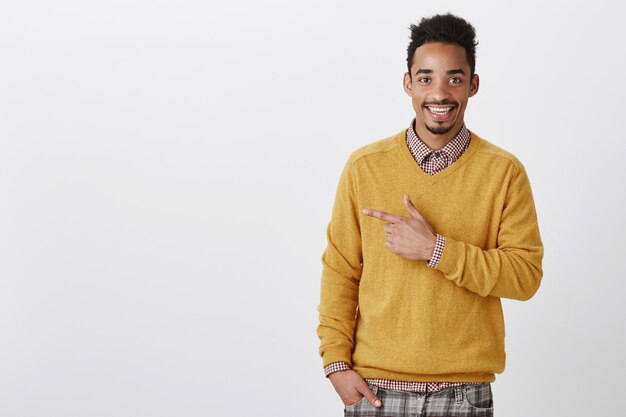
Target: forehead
{"type": "Point", "coordinates": [440, 56]}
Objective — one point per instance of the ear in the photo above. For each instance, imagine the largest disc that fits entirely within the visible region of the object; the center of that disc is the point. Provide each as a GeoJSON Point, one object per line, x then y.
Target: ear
{"type": "Point", "coordinates": [406, 83]}
{"type": "Point", "coordinates": [474, 85]}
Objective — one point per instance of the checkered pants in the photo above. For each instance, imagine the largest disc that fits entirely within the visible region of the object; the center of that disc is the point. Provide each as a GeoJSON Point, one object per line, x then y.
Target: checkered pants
{"type": "Point", "coordinates": [461, 401]}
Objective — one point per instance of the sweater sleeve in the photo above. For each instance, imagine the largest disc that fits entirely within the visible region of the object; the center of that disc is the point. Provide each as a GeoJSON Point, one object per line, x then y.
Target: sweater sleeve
{"type": "Point", "coordinates": [342, 265]}
{"type": "Point", "coordinates": [512, 269]}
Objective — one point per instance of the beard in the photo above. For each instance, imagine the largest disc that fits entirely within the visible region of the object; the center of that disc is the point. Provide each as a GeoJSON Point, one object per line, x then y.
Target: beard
{"type": "Point", "coordinates": [438, 130]}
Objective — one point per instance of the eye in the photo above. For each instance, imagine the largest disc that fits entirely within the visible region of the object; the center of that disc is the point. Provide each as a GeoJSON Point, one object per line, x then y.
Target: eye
{"type": "Point", "coordinates": [455, 80]}
{"type": "Point", "coordinates": [423, 80]}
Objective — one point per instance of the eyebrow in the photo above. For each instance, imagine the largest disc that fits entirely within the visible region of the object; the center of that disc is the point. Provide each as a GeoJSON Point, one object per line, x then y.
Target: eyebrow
{"type": "Point", "coordinates": [449, 72]}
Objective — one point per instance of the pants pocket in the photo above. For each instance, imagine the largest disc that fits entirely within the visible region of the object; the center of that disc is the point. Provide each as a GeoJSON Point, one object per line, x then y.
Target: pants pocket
{"type": "Point", "coordinates": [479, 397]}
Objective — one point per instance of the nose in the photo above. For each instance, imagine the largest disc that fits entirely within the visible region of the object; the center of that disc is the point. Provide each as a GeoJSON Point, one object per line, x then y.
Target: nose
{"type": "Point", "coordinates": [440, 90]}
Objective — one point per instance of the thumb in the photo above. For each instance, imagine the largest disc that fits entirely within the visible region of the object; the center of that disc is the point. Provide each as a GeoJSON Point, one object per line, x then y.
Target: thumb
{"type": "Point", "coordinates": [371, 397]}
{"type": "Point", "coordinates": [411, 208]}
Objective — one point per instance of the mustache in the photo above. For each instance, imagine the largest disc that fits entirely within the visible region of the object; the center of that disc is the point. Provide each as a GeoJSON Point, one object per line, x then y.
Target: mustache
{"type": "Point", "coordinates": [441, 103]}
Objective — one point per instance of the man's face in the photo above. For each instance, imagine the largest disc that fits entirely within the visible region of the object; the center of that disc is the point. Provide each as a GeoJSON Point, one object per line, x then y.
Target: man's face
{"type": "Point", "coordinates": [440, 86]}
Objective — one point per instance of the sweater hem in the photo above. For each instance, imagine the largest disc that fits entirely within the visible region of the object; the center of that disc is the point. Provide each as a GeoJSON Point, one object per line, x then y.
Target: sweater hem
{"type": "Point", "coordinates": [370, 373]}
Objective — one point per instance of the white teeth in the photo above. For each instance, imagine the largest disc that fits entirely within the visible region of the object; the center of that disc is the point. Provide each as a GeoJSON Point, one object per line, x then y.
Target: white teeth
{"type": "Point", "coordinates": [440, 110]}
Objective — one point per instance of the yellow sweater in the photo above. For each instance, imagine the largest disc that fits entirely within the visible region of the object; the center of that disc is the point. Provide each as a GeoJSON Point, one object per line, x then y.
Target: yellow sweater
{"type": "Point", "coordinates": [390, 317]}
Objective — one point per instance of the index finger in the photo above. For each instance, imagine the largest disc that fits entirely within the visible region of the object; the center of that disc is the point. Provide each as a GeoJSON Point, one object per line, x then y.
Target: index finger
{"type": "Point", "coordinates": [382, 215]}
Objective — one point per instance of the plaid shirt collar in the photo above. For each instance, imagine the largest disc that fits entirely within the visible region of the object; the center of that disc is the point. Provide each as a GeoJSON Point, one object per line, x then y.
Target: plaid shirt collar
{"type": "Point", "coordinates": [452, 151]}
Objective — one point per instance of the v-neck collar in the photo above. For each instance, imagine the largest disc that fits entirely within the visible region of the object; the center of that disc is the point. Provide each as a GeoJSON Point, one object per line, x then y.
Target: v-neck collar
{"type": "Point", "coordinates": [407, 157]}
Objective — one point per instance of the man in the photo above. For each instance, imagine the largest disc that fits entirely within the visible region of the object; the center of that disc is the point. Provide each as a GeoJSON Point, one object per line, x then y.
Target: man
{"type": "Point", "coordinates": [430, 228]}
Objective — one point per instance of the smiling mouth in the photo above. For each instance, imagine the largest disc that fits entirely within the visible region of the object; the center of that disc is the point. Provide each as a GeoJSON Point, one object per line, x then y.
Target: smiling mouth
{"type": "Point", "coordinates": [439, 110]}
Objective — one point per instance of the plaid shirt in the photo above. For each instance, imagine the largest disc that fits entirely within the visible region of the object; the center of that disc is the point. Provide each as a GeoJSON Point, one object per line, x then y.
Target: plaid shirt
{"type": "Point", "coordinates": [431, 162]}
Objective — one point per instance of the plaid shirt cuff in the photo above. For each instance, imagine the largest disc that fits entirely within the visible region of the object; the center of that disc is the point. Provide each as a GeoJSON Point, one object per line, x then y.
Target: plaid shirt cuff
{"type": "Point", "coordinates": [334, 367]}
{"type": "Point", "coordinates": [439, 244]}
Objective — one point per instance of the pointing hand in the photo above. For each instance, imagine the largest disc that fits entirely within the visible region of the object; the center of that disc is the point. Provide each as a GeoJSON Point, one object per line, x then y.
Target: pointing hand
{"type": "Point", "coordinates": [409, 237]}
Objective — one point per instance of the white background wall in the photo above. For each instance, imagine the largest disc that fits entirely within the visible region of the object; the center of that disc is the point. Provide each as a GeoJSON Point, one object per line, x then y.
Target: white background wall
{"type": "Point", "coordinates": [167, 171]}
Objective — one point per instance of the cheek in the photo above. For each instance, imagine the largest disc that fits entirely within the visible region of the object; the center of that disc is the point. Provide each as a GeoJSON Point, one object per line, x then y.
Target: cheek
{"type": "Point", "coordinates": [462, 100]}
{"type": "Point", "coordinates": [417, 106]}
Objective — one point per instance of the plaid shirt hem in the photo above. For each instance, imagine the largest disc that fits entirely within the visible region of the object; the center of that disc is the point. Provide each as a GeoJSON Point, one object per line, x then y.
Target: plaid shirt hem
{"type": "Point", "coordinates": [408, 386]}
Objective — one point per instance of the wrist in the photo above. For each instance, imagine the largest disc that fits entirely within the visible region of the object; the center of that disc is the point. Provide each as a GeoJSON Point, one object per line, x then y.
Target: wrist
{"type": "Point", "coordinates": [430, 250]}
